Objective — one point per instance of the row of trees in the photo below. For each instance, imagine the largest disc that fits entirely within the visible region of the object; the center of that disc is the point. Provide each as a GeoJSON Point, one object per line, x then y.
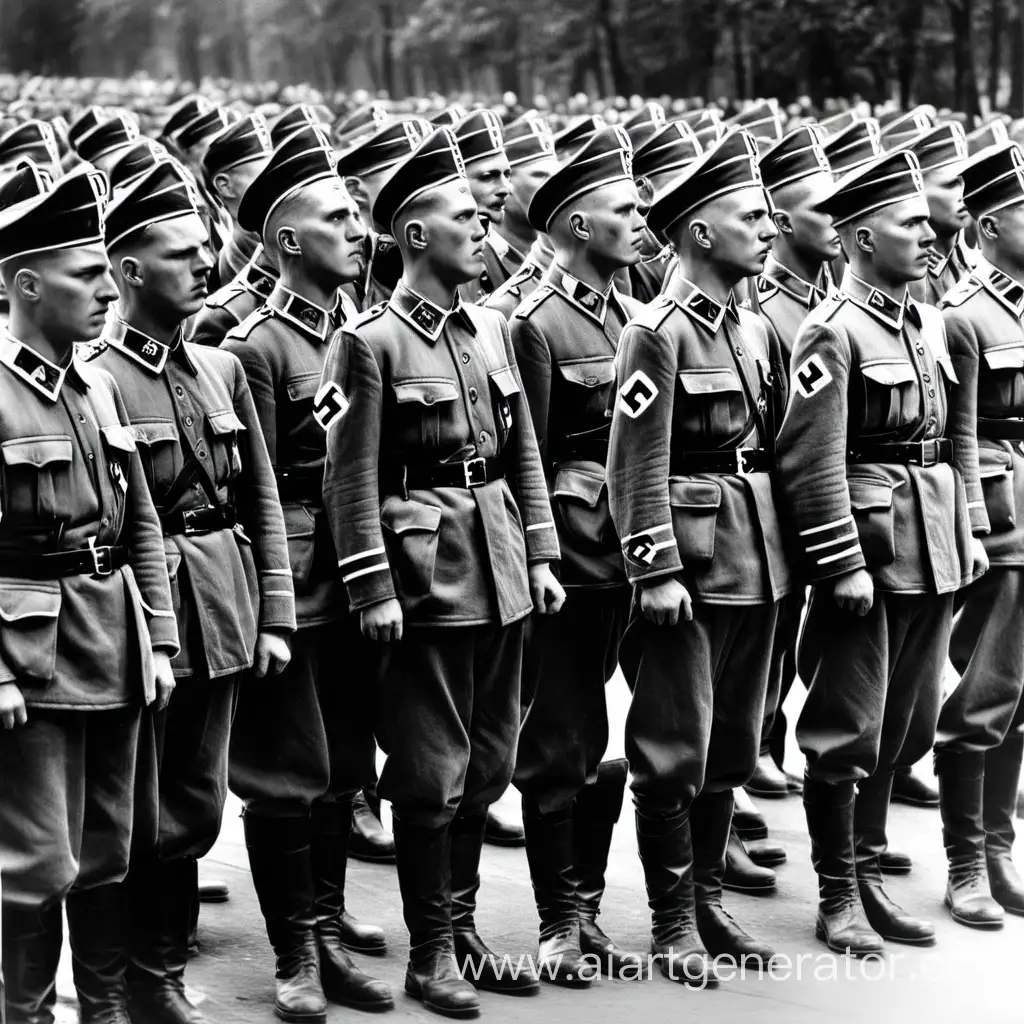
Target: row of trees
{"type": "Point", "coordinates": [966, 54]}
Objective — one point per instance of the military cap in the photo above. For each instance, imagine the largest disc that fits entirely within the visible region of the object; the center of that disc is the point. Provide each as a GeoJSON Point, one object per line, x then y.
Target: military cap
{"type": "Point", "coordinates": [39, 215]}
{"type": "Point", "coordinates": [528, 138]}
{"type": "Point", "coordinates": [839, 122]}
{"type": "Point", "coordinates": [239, 143]}
{"type": "Point", "coordinates": [291, 120]}
{"type": "Point", "coordinates": [450, 116]}
{"type": "Point", "coordinates": [203, 128]}
{"type": "Point", "coordinates": [162, 193]}
{"type": "Point", "coordinates": [572, 139]}
{"type": "Point", "coordinates": [994, 179]}
{"type": "Point", "coordinates": [888, 179]}
{"type": "Point", "coordinates": [479, 136]}
{"type": "Point", "coordinates": [304, 157]}
{"type": "Point", "coordinates": [853, 146]}
{"type": "Point", "coordinates": [730, 166]}
{"type": "Point", "coordinates": [992, 134]}
{"type": "Point", "coordinates": [34, 140]}
{"type": "Point", "coordinates": [107, 136]}
{"type": "Point", "coordinates": [367, 120]}
{"type": "Point", "coordinates": [143, 155]}
{"type": "Point", "coordinates": [903, 128]}
{"type": "Point", "coordinates": [942, 146]}
{"type": "Point", "coordinates": [384, 149]}
{"type": "Point", "coordinates": [644, 123]}
{"type": "Point", "coordinates": [605, 159]}
{"type": "Point", "coordinates": [711, 134]}
{"type": "Point", "coordinates": [436, 161]}
{"type": "Point", "coordinates": [763, 120]}
{"type": "Point", "coordinates": [699, 119]}
{"type": "Point", "coordinates": [670, 149]}
{"type": "Point", "coordinates": [86, 121]}
{"type": "Point", "coordinates": [60, 133]}
{"type": "Point", "coordinates": [797, 156]}
{"type": "Point", "coordinates": [184, 112]}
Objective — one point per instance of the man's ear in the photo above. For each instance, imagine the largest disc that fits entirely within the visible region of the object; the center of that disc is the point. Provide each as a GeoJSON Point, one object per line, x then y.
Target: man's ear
{"type": "Point", "coordinates": [578, 225]}
{"type": "Point", "coordinates": [132, 272]}
{"type": "Point", "coordinates": [416, 235]}
{"type": "Point", "coordinates": [700, 232]}
{"type": "Point", "coordinates": [287, 242]}
{"type": "Point", "coordinates": [864, 237]}
{"type": "Point", "coordinates": [224, 186]}
{"type": "Point", "coordinates": [28, 285]}
{"type": "Point", "coordinates": [988, 227]}
{"type": "Point", "coordinates": [783, 222]}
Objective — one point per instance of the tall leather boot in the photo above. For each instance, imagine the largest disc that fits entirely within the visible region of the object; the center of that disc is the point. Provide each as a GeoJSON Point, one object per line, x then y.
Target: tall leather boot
{"type": "Point", "coordinates": [666, 853]}
{"type": "Point", "coordinates": [549, 852]}
{"type": "Point", "coordinates": [282, 874]}
{"type": "Point", "coordinates": [423, 859]}
{"type": "Point", "coordinates": [871, 812]}
{"type": "Point", "coordinates": [31, 952]}
{"type": "Point", "coordinates": [1002, 772]}
{"type": "Point", "coordinates": [961, 793]}
{"type": "Point", "coordinates": [491, 974]}
{"type": "Point", "coordinates": [710, 825]}
{"type": "Point", "coordinates": [162, 899]}
{"type": "Point", "coordinates": [369, 840]}
{"type": "Point", "coordinates": [596, 813]}
{"type": "Point", "coordinates": [97, 931]}
{"type": "Point", "coordinates": [841, 923]}
{"type": "Point", "coordinates": [343, 982]}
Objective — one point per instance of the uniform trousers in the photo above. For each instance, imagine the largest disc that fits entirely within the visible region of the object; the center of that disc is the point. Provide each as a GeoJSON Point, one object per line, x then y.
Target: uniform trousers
{"type": "Point", "coordinates": [307, 733]}
{"type": "Point", "coordinates": [874, 683]}
{"type": "Point", "coordinates": [987, 649]}
{"type": "Point", "coordinates": [782, 673]}
{"type": "Point", "coordinates": [66, 802]}
{"type": "Point", "coordinates": [698, 701]}
{"type": "Point", "coordinates": [569, 657]}
{"type": "Point", "coordinates": [448, 719]}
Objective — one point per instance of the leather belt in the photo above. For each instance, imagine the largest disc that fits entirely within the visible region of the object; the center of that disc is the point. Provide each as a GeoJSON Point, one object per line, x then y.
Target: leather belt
{"type": "Point", "coordinates": [740, 461]}
{"type": "Point", "coordinates": [296, 485]}
{"type": "Point", "coordinates": [199, 520]}
{"type": "Point", "coordinates": [90, 561]}
{"type": "Point", "coordinates": [583, 449]}
{"type": "Point", "coordinates": [469, 474]}
{"type": "Point", "coordinates": [905, 453]}
{"type": "Point", "coordinates": [1001, 430]}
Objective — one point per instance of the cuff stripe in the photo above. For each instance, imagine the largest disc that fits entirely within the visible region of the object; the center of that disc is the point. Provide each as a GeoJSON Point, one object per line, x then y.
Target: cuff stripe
{"type": "Point", "coordinates": [855, 550]}
{"type": "Point", "coordinates": [364, 572]}
{"type": "Point", "coordinates": [361, 555]}
{"type": "Point", "coordinates": [852, 535]}
{"type": "Point", "coordinates": [827, 526]}
{"type": "Point", "coordinates": [540, 526]}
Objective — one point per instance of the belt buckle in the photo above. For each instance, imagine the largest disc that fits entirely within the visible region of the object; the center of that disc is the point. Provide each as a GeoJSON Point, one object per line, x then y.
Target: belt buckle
{"type": "Point", "coordinates": [929, 453]}
{"type": "Point", "coordinates": [102, 561]}
{"type": "Point", "coordinates": [187, 516]}
{"type": "Point", "coordinates": [475, 471]}
{"type": "Point", "coordinates": [741, 468]}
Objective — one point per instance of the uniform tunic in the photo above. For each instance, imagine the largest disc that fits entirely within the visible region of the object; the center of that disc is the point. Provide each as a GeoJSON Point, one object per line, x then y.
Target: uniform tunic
{"type": "Point", "coordinates": [78, 647]}
{"type": "Point", "coordinates": [524, 281]}
{"type": "Point", "coordinates": [565, 338]}
{"type": "Point", "coordinates": [409, 386]}
{"type": "Point", "coordinates": [986, 341]}
{"type": "Point", "coordinates": [227, 307]}
{"type": "Point", "coordinates": [867, 369]}
{"type": "Point", "coordinates": [695, 375]}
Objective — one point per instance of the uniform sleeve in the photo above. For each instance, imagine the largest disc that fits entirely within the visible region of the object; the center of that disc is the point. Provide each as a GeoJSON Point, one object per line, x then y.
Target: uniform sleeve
{"type": "Point", "coordinates": [260, 376]}
{"type": "Point", "coordinates": [351, 394]}
{"type": "Point", "coordinates": [533, 358]}
{"type": "Point", "coordinates": [526, 475]}
{"type": "Point", "coordinates": [963, 414]}
{"type": "Point", "coordinates": [638, 453]}
{"type": "Point", "coordinates": [812, 449]}
{"type": "Point", "coordinates": [145, 537]}
{"type": "Point", "coordinates": [211, 325]}
{"type": "Point", "coordinates": [260, 512]}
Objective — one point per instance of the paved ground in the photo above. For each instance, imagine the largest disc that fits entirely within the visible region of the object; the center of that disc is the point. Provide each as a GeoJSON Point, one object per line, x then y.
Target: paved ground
{"type": "Point", "coordinates": [968, 976]}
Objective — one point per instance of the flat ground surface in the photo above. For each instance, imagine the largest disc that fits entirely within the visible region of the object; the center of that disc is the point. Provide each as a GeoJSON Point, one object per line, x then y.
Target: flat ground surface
{"type": "Point", "coordinates": [968, 976]}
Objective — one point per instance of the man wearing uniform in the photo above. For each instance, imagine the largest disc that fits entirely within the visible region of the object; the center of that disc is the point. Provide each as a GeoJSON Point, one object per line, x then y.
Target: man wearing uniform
{"type": "Point", "coordinates": [795, 280]}
{"type": "Point", "coordinates": [690, 489]}
{"type": "Point", "coordinates": [979, 745]}
{"type": "Point", "coordinates": [141, 157]}
{"type": "Point", "coordinates": [88, 630]}
{"type": "Point", "coordinates": [182, 113]}
{"type": "Point", "coordinates": [313, 719]}
{"type": "Point", "coordinates": [229, 306]}
{"type": "Point", "coordinates": [105, 144]}
{"type": "Point", "coordinates": [884, 536]}
{"type": "Point", "coordinates": [565, 338]}
{"type": "Point", "coordinates": [436, 497]}
{"type": "Point", "coordinates": [207, 468]}
{"type": "Point", "coordinates": [31, 140]}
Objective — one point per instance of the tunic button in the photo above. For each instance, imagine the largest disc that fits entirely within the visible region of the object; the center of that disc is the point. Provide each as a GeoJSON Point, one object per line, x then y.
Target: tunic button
{"type": "Point", "coordinates": [81, 418]}
{"type": "Point", "coordinates": [179, 391]}
{"type": "Point", "coordinates": [473, 395]}
{"type": "Point", "coordinates": [90, 456]}
{"type": "Point", "coordinates": [188, 421]}
{"type": "Point", "coordinates": [428, 399]}
{"type": "Point", "coordinates": [465, 357]}
{"type": "Point", "coordinates": [931, 392]}
{"type": "Point", "coordinates": [484, 437]}
{"type": "Point", "coordinates": [927, 379]}
{"type": "Point", "coordinates": [739, 351]}
{"type": "Point", "coordinates": [590, 381]}
{"type": "Point", "coordinates": [920, 350]}
{"type": "Point", "coordinates": [201, 455]}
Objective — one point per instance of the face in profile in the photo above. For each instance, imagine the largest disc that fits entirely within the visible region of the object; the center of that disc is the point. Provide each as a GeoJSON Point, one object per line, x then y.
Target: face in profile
{"type": "Point", "coordinates": [613, 225]}
{"type": "Point", "coordinates": [944, 190]}
{"type": "Point", "coordinates": [175, 265]}
{"type": "Point", "coordinates": [490, 180]}
{"type": "Point", "coordinates": [812, 233]}
{"type": "Point", "coordinates": [741, 231]}
{"type": "Point", "coordinates": [448, 230]}
{"type": "Point", "coordinates": [900, 236]}
{"type": "Point", "coordinates": [325, 226]}
{"type": "Point", "coordinates": [1009, 227]}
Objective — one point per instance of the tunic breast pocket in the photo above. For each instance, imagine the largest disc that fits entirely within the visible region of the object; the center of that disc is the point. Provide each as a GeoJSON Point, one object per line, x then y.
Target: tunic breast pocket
{"type": "Point", "coordinates": [227, 459]}
{"type": "Point", "coordinates": [715, 404]}
{"type": "Point", "coordinates": [37, 477]}
{"type": "Point", "coordinates": [154, 440]}
{"type": "Point", "coordinates": [1005, 370]}
{"type": "Point", "coordinates": [892, 396]}
{"type": "Point", "coordinates": [423, 402]}
{"type": "Point", "coordinates": [588, 381]}
{"type": "Point", "coordinates": [504, 388]}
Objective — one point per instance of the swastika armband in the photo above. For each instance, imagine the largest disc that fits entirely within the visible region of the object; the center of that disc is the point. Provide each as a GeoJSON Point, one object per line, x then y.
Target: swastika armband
{"type": "Point", "coordinates": [811, 376]}
{"type": "Point", "coordinates": [637, 394]}
{"type": "Point", "coordinates": [329, 405]}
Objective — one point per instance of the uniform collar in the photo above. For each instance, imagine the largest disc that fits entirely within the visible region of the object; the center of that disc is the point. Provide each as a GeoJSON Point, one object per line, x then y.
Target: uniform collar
{"type": "Point", "coordinates": [697, 304]}
{"type": "Point", "coordinates": [806, 293]}
{"type": "Point", "coordinates": [421, 314]}
{"type": "Point", "coordinates": [36, 371]}
{"type": "Point", "coordinates": [937, 262]}
{"type": "Point", "coordinates": [1003, 287]}
{"type": "Point", "coordinates": [587, 300]}
{"type": "Point", "coordinates": [149, 353]}
{"type": "Point", "coordinates": [312, 320]}
{"type": "Point", "coordinates": [256, 279]}
{"type": "Point", "coordinates": [879, 304]}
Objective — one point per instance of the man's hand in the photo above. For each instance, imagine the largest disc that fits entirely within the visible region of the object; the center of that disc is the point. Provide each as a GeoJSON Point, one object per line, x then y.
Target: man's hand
{"type": "Point", "coordinates": [855, 592]}
{"type": "Point", "coordinates": [273, 652]}
{"type": "Point", "coordinates": [661, 602]}
{"type": "Point", "coordinates": [980, 556]}
{"type": "Point", "coordinates": [382, 621]}
{"type": "Point", "coordinates": [164, 677]}
{"type": "Point", "coordinates": [12, 706]}
{"type": "Point", "coordinates": [547, 593]}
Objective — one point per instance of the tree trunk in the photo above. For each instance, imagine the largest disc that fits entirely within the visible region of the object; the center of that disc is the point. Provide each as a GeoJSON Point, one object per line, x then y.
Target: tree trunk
{"type": "Point", "coordinates": [995, 50]}
{"type": "Point", "coordinates": [965, 96]}
{"type": "Point", "coordinates": [739, 63]}
{"type": "Point", "coordinates": [909, 22]}
{"type": "Point", "coordinates": [622, 80]}
{"type": "Point", "coordinates": [387, 56]}
{"type": "Point", "coordinates": [1016, 104]}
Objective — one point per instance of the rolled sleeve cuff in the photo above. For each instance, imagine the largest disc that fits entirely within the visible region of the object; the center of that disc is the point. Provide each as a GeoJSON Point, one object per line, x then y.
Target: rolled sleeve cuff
{"type": "Point", "coordinates": [832, 549]}
{"type": "Point", "coordinates": [980, 525]}
{"type": "Point", "coordinates": [367, 578]}
{"type": "Point", "coordinates": [542, 543]}
{"type": "Point", "coordinates": [277, 607]}
{"type": "Point", "coordinates": [163, 631]}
